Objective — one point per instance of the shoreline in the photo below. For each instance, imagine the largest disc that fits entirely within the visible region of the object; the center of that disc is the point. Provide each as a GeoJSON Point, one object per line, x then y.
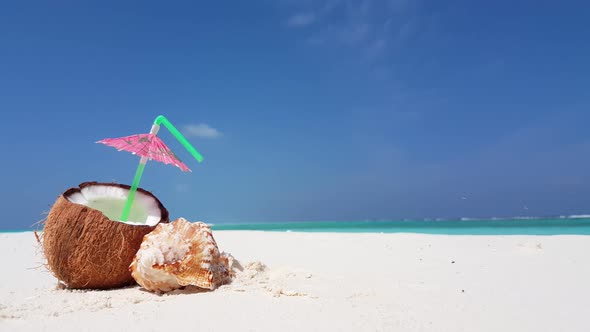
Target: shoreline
{"type": "Point", "coordinates": [577, 225]}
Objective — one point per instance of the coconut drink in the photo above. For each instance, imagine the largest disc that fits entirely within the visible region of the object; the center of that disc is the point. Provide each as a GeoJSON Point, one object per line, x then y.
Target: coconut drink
{"type": "Point", "coordinates": [93, 232]}
{"type": "Point", "coordinates": [86, 245]}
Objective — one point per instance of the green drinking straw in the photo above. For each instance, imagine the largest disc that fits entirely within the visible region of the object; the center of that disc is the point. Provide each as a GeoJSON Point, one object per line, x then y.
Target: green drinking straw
{"type": "Point", "coordinates": [139, 172]}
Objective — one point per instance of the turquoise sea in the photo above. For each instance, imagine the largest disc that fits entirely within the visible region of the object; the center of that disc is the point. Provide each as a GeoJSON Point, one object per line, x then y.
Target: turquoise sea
{"type": "Point", "coordinates": [518, 226]}
{"type": "Point", "coordinates": [528, 226]}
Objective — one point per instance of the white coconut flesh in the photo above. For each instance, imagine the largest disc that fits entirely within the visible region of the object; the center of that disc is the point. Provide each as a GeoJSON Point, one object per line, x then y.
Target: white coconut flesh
{"type": "Point", "coordinates": [110, 200]}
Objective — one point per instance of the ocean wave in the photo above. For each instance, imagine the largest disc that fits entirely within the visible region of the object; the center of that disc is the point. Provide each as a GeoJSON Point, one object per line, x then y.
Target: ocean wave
{"type": "Point", "coordinates": [573, 216]}
{"type": "Point", "coordinates": [578, 216]}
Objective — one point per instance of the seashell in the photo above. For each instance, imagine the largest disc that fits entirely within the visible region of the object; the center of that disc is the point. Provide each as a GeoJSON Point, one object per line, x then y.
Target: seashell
{"type": "Point", "coordinates": [180, 254]}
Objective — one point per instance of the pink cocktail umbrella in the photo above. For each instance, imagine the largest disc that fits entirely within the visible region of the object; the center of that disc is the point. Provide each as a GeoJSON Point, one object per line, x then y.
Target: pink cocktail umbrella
{"type": "Point", "coordinates": [146, 145]}
{"type": "Point", "coordinates": [150, 147]}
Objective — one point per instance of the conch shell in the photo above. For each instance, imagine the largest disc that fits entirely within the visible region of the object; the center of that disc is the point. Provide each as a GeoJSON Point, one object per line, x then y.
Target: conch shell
{"type": "Point", "coordinates": [180, 254]}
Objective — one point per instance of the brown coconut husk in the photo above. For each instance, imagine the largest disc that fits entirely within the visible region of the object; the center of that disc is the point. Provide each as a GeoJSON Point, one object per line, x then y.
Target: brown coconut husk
{"type": "Point", "coordinates": [85, 249]}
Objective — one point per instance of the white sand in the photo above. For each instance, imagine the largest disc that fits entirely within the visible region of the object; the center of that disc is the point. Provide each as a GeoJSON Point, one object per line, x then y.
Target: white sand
{"type": "Point", "coordinates": [329, 282]}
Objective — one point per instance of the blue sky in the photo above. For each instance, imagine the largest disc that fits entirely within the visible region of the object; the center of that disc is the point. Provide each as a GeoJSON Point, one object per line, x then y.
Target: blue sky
{"type": "Point", "coordinates": [303, 110]}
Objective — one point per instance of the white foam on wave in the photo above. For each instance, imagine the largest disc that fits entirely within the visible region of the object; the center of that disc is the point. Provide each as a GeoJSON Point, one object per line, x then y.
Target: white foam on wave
{"type": "Point", "coordinates": [578, 216]}
{"type": "Point", "coordinates": [573, 216]}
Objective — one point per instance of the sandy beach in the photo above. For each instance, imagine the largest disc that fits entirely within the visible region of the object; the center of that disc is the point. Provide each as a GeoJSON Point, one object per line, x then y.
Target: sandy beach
{"type": "Point", "coordinates": [328, 282]}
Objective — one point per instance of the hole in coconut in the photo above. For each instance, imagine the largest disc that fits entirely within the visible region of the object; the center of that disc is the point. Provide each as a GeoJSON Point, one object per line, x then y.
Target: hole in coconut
{"type": "Point", "coordinates": [110, 200]}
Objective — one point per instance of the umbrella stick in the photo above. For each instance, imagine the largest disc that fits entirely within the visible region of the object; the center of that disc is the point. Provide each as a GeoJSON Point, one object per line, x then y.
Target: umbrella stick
{"type": "Point", "coordinates": [136, 179]}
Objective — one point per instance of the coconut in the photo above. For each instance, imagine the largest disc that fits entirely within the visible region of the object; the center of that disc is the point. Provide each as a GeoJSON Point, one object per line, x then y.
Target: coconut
{"type": "Point", "coordinates": [85, 244]}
